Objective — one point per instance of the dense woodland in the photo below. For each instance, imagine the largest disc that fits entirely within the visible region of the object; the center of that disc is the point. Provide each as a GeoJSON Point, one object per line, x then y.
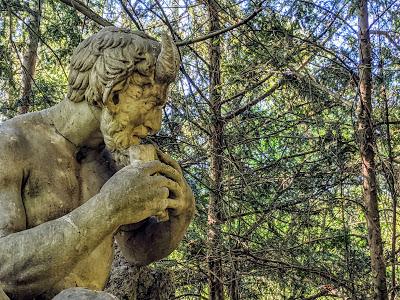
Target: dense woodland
{"type": "Point", "coordinates": [285, 119]}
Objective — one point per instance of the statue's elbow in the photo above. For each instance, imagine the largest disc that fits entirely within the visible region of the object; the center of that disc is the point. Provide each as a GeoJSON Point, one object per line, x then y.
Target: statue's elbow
{"type": "Point", "coordinates": [142, 260]}
{"type": "Point", "coordinates": [20, 291]}
{"type": "Point", "coordinates": [3, 295]}
{"type": "Point", "coordinates": [146, 257]}
{"type": "Point", "coordinates": [23, 284]}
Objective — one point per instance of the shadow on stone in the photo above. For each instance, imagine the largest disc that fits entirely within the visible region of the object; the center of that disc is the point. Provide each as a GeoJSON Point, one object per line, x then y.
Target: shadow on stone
{"type": "Point", "coordinates": [129, 282]}
{"type": "Point", "coordinates": [83, 294]}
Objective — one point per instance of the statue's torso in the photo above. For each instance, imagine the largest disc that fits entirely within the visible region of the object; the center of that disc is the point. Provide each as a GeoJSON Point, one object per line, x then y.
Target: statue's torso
{"type": "Point", "coordinates": [55, 183]}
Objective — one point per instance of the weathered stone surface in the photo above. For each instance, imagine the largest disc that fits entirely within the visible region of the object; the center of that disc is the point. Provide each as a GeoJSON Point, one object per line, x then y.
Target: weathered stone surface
{"type": "Point", "coordinates": [3, 295]}
{"type": "Point", "coordinates": [83, 294]}
{"type": "Point", "coordinates": [129, 282]}
{"type": "Point", "coordinates": [63, 197]}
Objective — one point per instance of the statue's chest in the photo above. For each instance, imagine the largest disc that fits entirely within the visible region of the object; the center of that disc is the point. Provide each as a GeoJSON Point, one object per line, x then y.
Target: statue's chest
{"type": "Point", "coordinates": [60, 185]}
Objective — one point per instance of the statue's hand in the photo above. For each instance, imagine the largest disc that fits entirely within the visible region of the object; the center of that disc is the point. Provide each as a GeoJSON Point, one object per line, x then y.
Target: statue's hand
{"type": "Point", "coordinates": [141, 190]}
{"type": "Point", "coordinates": [186, 203]}
{"type": "Point", "coordinates": [154, 240]}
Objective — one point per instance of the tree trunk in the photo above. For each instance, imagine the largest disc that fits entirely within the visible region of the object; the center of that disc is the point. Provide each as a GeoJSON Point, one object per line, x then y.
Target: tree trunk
{"type": "Point", "coordinates": [390, 176]}
{"type": "Point", "coordinates": [391, 180]}
{"type": "Point", "coordinates": [29, 59]}
{"type": "Point", "coordinates": [367, 146]}
{"type": "Point", "coordinates": [234, 282]}
{"type": "Point", "coordinates": [214, 251]}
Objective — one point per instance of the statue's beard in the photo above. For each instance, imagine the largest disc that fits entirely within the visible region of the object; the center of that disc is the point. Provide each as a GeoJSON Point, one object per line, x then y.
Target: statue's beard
{"type": "Point", "coordinates": [117, 138]}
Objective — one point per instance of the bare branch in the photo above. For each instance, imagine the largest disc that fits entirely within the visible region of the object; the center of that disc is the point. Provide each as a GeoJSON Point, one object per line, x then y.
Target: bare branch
{"type": "Point", "coordinates": [138, 26]}
{"type": "Point", "coordinates": [42, 41]}
{"type": "Point", "coordinates": [221, 31]}
{"type": "Point", "coordinates": [387, 35]}
{"type": "Point", "coordinates": [84, 9]}
{"type": "Point", "coordinates": [254, 102]}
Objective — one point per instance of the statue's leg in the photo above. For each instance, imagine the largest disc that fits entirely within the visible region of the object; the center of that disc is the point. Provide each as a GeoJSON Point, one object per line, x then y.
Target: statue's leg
{"type": "Point", "coordinates": [83, 294]}
{"type": "Point", "coordinates": [3, 295]}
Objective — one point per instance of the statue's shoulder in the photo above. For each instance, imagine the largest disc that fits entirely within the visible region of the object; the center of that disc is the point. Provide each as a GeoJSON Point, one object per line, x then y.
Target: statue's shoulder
{"type": "Point", "coordinates": [15, 134]}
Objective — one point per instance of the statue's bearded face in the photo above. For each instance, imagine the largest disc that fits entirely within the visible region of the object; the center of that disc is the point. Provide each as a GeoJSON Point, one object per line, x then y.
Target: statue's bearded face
{"type": "Point", "coordinates": [133, 111]}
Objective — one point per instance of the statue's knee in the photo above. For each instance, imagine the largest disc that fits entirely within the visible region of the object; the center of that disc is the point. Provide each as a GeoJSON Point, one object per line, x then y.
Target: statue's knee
{"type": "Point", "coordinates": [3, 295]}
{"type": "Point", "coordinates": [83, 294]}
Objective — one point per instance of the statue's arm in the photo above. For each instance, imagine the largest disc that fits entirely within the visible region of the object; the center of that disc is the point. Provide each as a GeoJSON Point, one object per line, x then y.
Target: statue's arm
{"type": "Point", "coordinates": [154, 240]}
{"type": "Point", "coordinates": [150, 240]}
{"type": "Point", "coordinates": [33, 260]}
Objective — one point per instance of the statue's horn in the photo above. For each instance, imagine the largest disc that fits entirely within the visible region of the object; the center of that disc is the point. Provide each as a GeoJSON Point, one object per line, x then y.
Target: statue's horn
{"type": "Point", "coordinates": [168, 61]}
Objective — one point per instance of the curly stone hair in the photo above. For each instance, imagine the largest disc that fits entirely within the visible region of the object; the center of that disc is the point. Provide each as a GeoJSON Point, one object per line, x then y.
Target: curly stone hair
{"type": "Point", "coordinates": [111, 56]}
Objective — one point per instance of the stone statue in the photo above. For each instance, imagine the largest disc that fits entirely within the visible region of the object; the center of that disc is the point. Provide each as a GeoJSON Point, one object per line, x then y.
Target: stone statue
{"type": "Point", "coordinates": [63, 198]}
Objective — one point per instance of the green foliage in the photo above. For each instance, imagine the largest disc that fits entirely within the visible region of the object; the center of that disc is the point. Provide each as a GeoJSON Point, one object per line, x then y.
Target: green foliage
{"type": "Point", "coordinates": [292, 217]}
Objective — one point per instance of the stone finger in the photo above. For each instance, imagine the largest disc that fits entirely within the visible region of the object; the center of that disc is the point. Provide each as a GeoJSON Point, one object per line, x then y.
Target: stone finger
{"type": "Point", "coordinates": [174, 188]}
{"type": "Point", "coordinates": [167, 159]}
{"type": "Point", "coordinates": [173, 204]}
{"type": "Point", "coordinates": [172, 174]}
{"type": "Point", "coordinates": [156, 167]}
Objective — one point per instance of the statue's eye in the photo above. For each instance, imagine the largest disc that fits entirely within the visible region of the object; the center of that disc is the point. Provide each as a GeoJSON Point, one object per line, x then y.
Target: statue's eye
{"type": "Point", "coordinates": [115, 99]}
